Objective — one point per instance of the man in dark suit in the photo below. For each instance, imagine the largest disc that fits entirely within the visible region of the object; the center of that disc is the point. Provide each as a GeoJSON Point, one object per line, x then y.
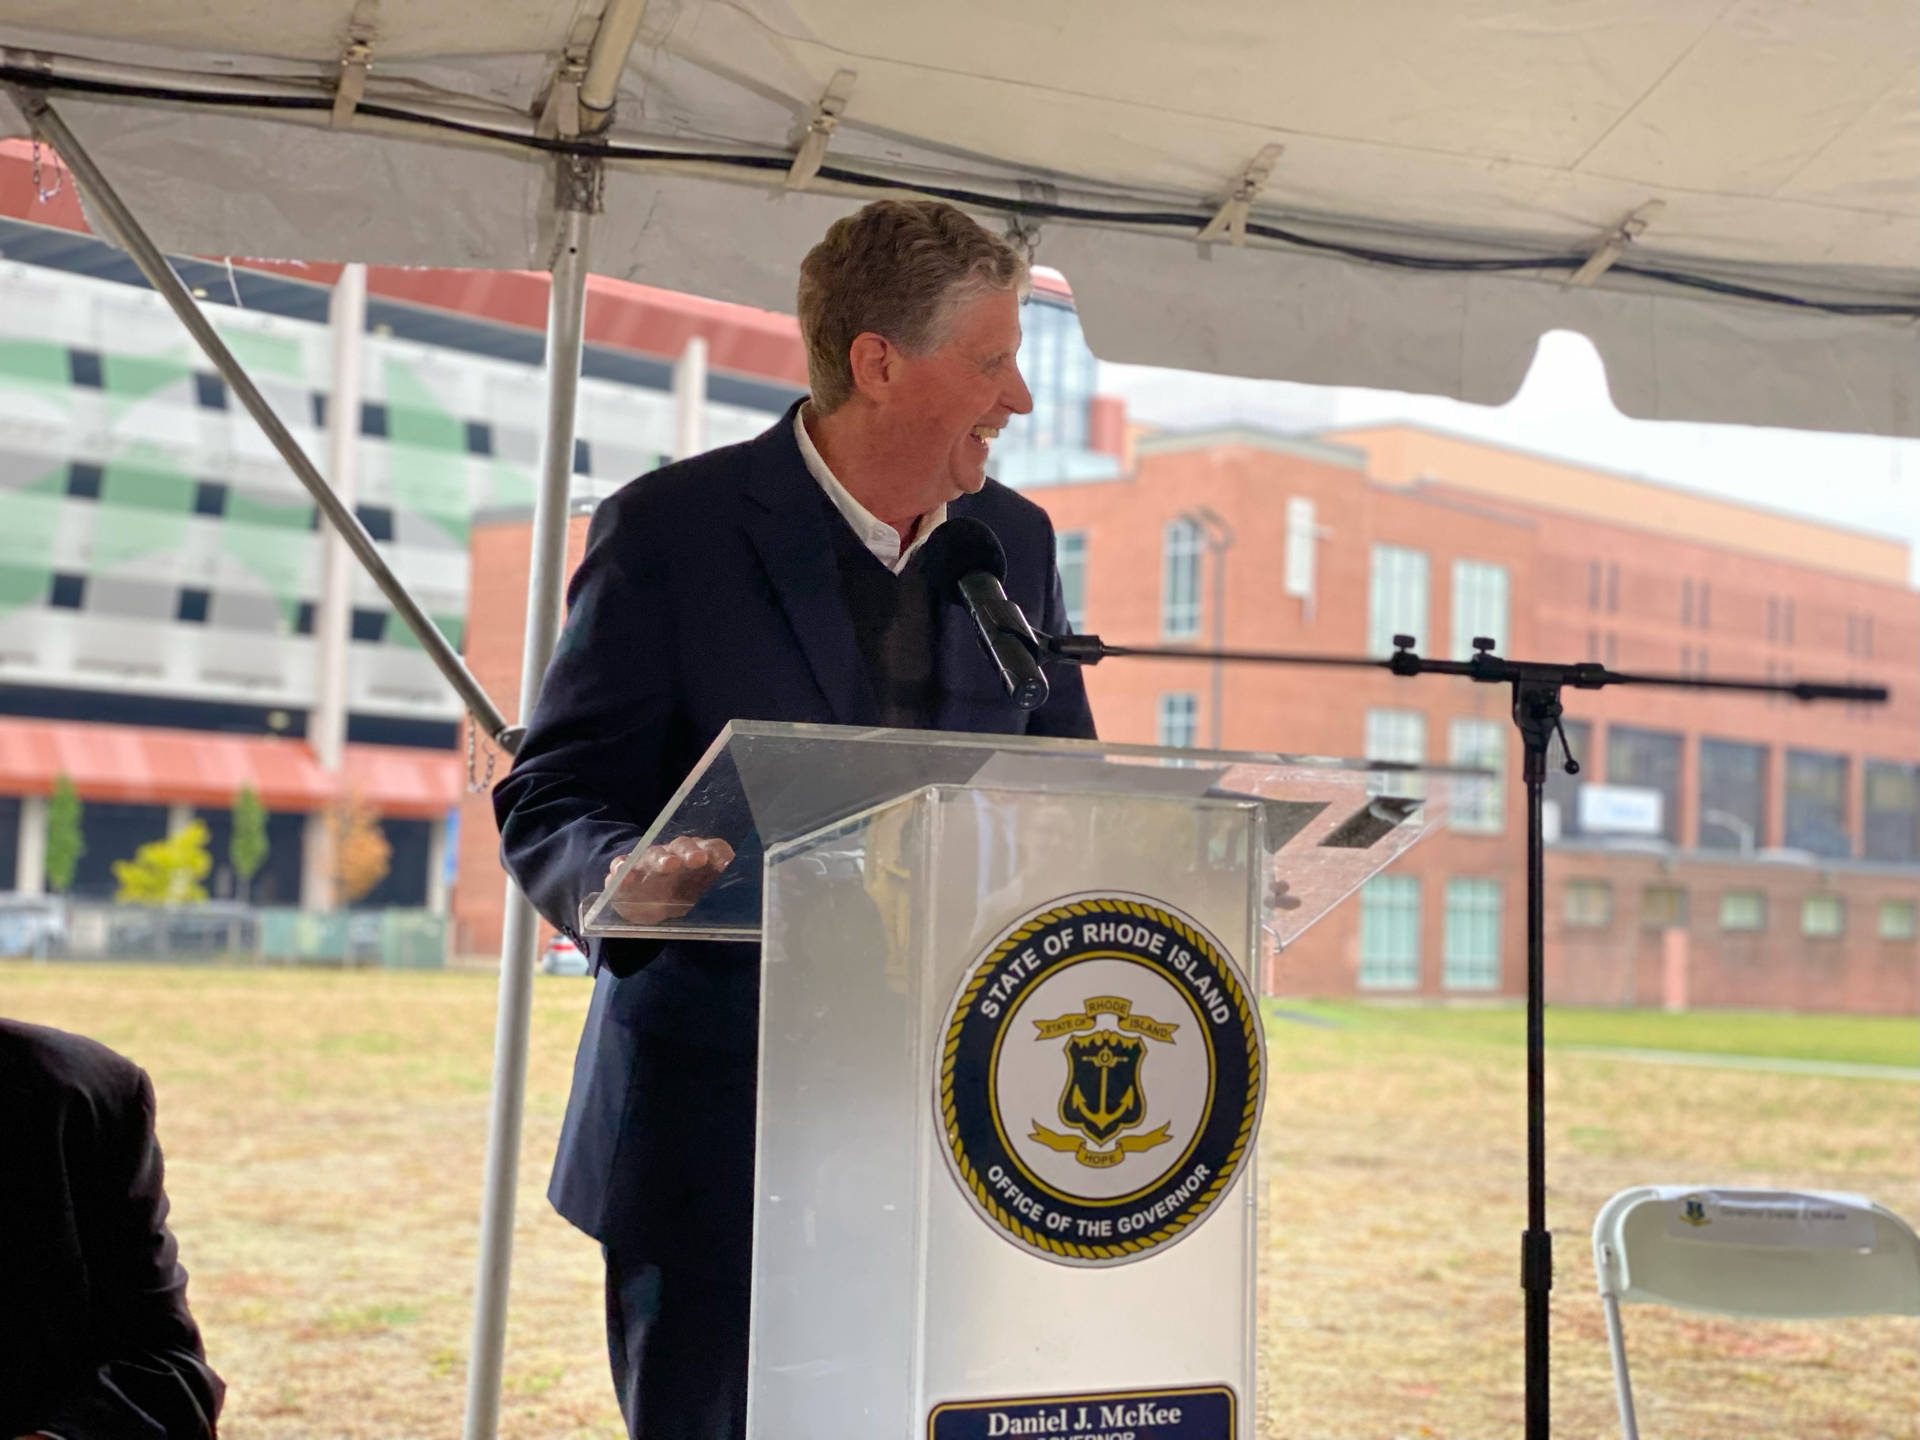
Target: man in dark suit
{"type": "Point", "coordinates": [774, 580]}
{"type": "Point", "coordinates": [96, 1342]}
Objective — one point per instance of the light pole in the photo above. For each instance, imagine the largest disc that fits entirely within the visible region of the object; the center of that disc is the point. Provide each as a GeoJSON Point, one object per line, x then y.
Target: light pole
{"type": "Point", "coordinates": [1219, 537]}
{"type": "Point", "coordinates": [1734, 823]}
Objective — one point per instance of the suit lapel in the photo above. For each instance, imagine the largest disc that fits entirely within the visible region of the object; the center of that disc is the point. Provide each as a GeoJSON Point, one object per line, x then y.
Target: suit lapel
{"type": "Point", "coordinates": [787, 525]}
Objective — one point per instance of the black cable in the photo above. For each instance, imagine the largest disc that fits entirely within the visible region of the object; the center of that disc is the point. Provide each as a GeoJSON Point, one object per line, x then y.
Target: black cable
{"type": "Point", "coordinates": [1025, 209]}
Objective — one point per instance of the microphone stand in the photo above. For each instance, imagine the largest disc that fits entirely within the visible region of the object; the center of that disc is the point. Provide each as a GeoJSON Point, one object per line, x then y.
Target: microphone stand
{"type": "Point", "coordinates": [1537, 714]}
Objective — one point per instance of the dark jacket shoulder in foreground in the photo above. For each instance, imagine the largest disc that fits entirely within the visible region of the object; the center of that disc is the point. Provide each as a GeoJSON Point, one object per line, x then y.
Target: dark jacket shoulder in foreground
{"type": "Point", "coordinates": [96, 1342]}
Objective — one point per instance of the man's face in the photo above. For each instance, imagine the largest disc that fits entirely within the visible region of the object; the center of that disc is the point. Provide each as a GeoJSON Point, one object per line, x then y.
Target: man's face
{"type": "Point", "coordinates": [953, 400]}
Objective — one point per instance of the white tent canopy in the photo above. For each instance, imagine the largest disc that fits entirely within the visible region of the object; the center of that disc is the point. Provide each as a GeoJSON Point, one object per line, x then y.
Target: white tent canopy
{"type": "Point", "coordinates": [1757, 145]}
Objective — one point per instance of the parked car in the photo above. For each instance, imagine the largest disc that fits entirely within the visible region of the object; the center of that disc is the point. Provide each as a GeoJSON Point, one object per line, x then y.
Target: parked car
{"type": "Point", "coordinates": [563, 957]}
{"type": "Point", "coordinates": [32, 925]}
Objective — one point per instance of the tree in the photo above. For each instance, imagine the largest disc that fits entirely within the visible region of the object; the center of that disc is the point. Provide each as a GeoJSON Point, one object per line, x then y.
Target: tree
{"type": "Point", "coordinates": [166, 872]}
{"type": "Point", "coordinates": [64, 843]}
{"type": "Point", "coordinates": [358, 849]}
{"type": "Point", "coordinates": [247, 850]}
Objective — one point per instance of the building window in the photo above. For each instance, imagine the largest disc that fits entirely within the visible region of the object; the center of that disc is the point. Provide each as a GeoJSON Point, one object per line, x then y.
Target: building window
{"type": "Point", "coordinates": [1301, 552]}
{"type": "Point", "coordinates": [83, 481]}
{"type": "Point", "coordinates": [1059, 369]}
{"type": "Point", "coordinates": [1686, 602]}
{"type": "Point", "coordinates": [209, 391]}
{"type": "Point", "coordinates": [1773, 618]}
{"type": "Point", "coordinates": [1743, 910]}
{"type": "Point", "coordinates": [1891, 822]}
{"type": "Point", "coordinates": [1817, 804]}
{"type": "Point", "coordinates": [303, 618]}
{"type": "Point", "coordinates": [373, 419]}
{"type": "Point", "coordinates": [1479, 605]}
{"type": "Point", "coordinates": [582, 457]}
{"type": "Point", "coordinates": [1663, 907]}
{"type": "Point", "coordinates": [1478, 805]}
{"type": "Point", "coordinates": [1472, 956]}
{"type": "Point", "coordinates": [1396, 597]}
{"type": "Point", "coordinates": [210, 499]}
{"type": "Point", "coordinates": [1181, 544]}
{"type": "Point", "coordinates": [1589, 905]}
{"type": "Point", "coordinates": [479, 438]}
{"type": "Point", "coordinates": [1070, 548]}
{"type": "Point", "coordinates": [1396, 735]}
{"type": "Point", "coordinates": [377, 520]}
{"type": "Point", "coordinates": [1706, 606]}
{"type": "Point", "coordinates": [84, 368]}
{"type": "Point", "coordinates": [1613, 588]}
{"type": "Point", "coordinates": [1390, 933]}
{"type": "Point", "coordinates": [1593, 585]}
{"type": "Point", "coordinates": [1786, 620]}
{"type": "Point", "coordinates": [1733, 796]}
{"type": "Point", "coordinates": [1179, 718]}
{"type": "Point", "coordinates": [317, 402]}
{"type": "Point", "coordinates": [1897, 920]}
{"type": "Point", "coordinates": [369, 625]}
{"type": "Point", "coordinates": [67, 592]}
{"type": "Point", "coordinates": [1648, 760]}
{"type": "Point", "coordinates": [192, 607]}
{"type": "Point", "coordinates": [1822, 917]}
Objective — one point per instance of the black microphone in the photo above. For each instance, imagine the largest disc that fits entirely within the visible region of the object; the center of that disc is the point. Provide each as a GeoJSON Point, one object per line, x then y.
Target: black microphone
{"type": "Point", "coordinates": [965, 565]}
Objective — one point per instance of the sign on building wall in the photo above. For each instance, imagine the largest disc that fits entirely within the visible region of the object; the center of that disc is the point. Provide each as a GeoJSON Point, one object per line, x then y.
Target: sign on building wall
{"type": "Point", "coordinates": [1620, 810]}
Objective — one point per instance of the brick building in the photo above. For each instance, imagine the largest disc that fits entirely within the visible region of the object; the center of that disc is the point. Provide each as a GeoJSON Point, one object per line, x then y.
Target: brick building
{"type": "Point", "coordinates": [1715, 849]}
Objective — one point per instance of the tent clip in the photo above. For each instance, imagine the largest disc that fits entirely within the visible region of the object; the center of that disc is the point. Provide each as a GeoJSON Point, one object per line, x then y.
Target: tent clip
{"type": "Point", "coordinates": [560, 117]}
{"type": "Point", "coordinates": [355, 61]}
{"type": "Point", "coordinates": [1615, 245]}
{"type": "Point", "coordinates": [826, 119]}
{"type": "Point", "coordinates": [1231, 218]}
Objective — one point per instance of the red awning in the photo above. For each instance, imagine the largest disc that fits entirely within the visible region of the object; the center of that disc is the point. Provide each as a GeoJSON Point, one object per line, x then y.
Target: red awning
{"type": "Point", "coordinates": [128, 764]}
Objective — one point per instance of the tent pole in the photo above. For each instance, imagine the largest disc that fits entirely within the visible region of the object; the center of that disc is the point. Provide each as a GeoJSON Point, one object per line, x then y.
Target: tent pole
{"type": "Point", "coordinates": [126, 230]}
{"type": "Point", "coordinates": [577, 198]}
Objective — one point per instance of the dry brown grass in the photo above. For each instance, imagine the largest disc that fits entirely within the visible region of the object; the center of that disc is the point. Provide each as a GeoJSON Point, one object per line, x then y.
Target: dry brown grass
{"type": "Point", "coordinates": [1394, 1174]}
{"type": "Point", "coordinates": [325, 1133]}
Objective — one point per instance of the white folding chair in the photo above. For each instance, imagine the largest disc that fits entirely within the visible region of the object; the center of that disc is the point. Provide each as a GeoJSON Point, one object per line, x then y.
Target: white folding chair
{"type": "Point", "coordinates": [1780, 1254]}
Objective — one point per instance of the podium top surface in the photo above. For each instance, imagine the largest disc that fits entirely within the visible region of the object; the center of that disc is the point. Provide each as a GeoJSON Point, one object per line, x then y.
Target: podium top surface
{"type": "Point", "coordinates": [763, 783]}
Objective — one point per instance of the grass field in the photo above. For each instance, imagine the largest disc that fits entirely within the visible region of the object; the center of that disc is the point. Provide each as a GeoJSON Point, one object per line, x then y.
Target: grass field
{"type": "Point", "coordinates": [325, 1130]}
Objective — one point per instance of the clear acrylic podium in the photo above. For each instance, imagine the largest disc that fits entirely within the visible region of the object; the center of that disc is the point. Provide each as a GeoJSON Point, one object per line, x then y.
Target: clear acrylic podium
{"type": "Point", "coordinates": [1010, 1062]}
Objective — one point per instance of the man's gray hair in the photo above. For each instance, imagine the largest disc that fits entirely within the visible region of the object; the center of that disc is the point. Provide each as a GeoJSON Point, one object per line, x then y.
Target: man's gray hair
{"type": "Point", "coordinates": [897, 268]}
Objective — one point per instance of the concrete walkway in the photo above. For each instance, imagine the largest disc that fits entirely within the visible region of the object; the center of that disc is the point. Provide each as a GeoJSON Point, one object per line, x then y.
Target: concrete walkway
{"type": "Point", "coordinates": [1778, 1065]}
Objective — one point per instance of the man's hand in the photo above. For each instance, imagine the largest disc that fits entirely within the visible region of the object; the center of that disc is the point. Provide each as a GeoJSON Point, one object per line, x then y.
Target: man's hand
{"type": "Point", "coordinates": [665, 880]}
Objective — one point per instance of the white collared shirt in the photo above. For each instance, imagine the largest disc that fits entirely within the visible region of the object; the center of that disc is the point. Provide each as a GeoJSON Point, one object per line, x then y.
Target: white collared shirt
{"type": "Point", "coordinates": [878, 536]}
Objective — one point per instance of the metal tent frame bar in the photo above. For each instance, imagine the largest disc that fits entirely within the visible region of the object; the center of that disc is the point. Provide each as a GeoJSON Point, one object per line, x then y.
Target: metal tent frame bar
{"type": "Point", "coordinates": [577, 199]}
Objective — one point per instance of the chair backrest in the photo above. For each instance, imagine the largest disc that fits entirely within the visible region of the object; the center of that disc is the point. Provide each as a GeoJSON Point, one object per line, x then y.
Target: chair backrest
{"type": "Point", "coordinates": [1782, 1253]}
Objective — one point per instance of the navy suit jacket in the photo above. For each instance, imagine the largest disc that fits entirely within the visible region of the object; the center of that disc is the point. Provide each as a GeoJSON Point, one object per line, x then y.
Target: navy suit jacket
{"type": "Point", "coordinates": [709, 592]}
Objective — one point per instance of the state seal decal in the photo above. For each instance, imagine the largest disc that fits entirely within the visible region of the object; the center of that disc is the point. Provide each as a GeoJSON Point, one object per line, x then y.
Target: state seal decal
{"type": "Point", "coordinates": [1101, 1074]}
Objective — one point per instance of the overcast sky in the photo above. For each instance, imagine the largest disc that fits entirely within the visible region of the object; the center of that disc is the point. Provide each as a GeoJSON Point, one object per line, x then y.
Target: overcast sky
{"type": "Point", "coordinates": [1863, 482]}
